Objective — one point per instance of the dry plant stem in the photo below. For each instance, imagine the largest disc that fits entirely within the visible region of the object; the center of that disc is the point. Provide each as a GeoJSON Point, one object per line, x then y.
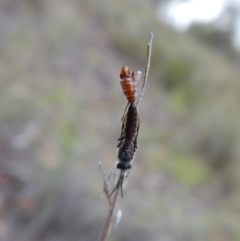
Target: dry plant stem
{"type": "Point", "coordinates": [105, 182]}
{"type": "Point", "coordinates": [147, 66]}
{"type": "Point", "coordinates": [112, 203]}
{"type": "Point", "coordinates": [109, 222]}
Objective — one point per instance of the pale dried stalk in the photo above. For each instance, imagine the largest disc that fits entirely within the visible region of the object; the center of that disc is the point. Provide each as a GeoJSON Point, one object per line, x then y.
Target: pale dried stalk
{"type": "Point", "coordinates": [147, 67]}
{"type": "Point", "coordinates": [112, 217]}
{"type": "Point", "coordinates": [112, 204]}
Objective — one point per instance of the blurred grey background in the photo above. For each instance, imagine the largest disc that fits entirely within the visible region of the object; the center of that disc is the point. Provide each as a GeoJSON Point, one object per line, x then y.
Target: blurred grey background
{"type": "Point", "coordinates": [60, 113]}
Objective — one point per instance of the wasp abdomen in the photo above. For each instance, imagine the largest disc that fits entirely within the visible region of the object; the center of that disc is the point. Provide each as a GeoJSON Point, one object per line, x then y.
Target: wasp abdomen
{"type": "Point", "coordinates": [128, 84]}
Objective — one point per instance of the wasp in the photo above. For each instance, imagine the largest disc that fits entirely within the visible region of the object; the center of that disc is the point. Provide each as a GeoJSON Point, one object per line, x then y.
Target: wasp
{"type": "Point", "coordinates": [127, 143]}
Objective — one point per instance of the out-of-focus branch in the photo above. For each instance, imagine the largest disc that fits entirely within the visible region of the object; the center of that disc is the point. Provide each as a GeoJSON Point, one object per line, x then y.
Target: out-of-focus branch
{"type": "Point", "coordinates": [114, 215]}
{"type": "Point", "coordinates": [147, 66]}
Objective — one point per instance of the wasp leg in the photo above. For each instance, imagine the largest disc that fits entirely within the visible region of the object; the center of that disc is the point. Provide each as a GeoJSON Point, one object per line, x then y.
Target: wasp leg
{"type": "Point", "coordinates": [122, 136]}
{"type": "Point", "coordinates": [119, 144]}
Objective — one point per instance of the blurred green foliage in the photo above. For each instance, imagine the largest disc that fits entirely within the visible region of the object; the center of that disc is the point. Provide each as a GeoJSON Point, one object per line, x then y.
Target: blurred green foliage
{"type": "Point", "coordinates": [190, 170]}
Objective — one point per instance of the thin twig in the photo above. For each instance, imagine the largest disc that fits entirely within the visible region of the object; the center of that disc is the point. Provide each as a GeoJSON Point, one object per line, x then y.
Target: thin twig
{"type": "Point", "coordinates": [105, 182]}
{"type": "Point", "coordinates": [147, 66]}
{"type": "Point", "coordinates": [111, 221]}
{"type": "Point", "coordinates": [138, 77]}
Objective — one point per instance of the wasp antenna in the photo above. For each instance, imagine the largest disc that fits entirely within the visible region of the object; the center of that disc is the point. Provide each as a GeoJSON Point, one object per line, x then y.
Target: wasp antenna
{"type": "Point", "coordinates": [122, 179]}
{"type": "Point", "coordinates": [122, 190]}
{"type": "Point", "coordinates": [119, 184]}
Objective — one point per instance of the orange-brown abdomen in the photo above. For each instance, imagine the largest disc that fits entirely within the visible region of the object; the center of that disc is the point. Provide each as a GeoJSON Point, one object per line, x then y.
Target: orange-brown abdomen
{"type": "Point", "coordinates": [128, 83]}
